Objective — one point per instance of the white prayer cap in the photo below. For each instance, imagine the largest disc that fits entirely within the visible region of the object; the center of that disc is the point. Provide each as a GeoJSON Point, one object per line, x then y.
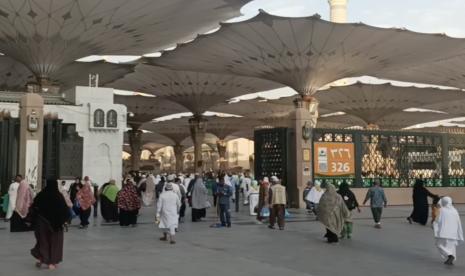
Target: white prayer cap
{"type": "Point", "coordinates": [274, 178]}
{"type": "Point", "coordinates": [170, 177]}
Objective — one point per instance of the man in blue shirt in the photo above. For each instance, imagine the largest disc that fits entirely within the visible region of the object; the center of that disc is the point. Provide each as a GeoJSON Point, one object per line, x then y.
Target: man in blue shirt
{"type": "Point", "coordinates": [377, 201]}
{"type": "Point", "coordinates": [224, 193]}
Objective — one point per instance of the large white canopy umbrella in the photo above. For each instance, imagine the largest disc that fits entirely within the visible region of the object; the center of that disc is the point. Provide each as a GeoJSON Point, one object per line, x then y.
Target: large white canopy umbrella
{"type": "Point", "coordinates": [143, 109]}
{"type": "Point", "coordinates": [372, 102]}
{"type": "Point", "coordinates": [393, 121]}
{"type": "Point", "coordinates": [45, 35]}
{"type": "Point", "coordinates": [196, 91]}
{"type": "Point", "coordinates": [14, 75]}
{"type": "Point", "coordinates": [307, 53]}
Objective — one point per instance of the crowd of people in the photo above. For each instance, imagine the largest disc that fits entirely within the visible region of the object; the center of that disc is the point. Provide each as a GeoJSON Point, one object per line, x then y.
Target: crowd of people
{"type": "Point", "coordinates": [52, 210]}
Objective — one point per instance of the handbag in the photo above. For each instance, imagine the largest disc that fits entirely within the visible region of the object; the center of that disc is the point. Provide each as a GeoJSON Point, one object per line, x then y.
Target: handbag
{"type": "Point", "coordinates": [265, 212]}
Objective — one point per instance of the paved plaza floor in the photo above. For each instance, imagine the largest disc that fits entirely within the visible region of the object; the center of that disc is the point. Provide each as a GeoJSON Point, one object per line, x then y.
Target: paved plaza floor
{"type": "Point", "coordinates": [245, 249]}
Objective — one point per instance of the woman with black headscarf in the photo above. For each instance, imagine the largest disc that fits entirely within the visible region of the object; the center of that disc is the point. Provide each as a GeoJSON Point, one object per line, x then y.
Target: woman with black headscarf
{"type": "Point", "coordinates": [420, 203]}
{"type": "Point", "coordinates": [351, 202]}
{"type": "Point", "coordinates": [50, 214]}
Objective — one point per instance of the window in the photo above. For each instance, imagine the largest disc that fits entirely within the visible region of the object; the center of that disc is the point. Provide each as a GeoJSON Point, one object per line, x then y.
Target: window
{"type": "Point", "coordinates": [99, 118]}
{"type": "Point", "coordinates": [112, 118]}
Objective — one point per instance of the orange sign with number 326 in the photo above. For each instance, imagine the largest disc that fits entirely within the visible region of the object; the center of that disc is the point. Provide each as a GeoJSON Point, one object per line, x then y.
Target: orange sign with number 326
{"type": "Point", "coordinates": [334, 159]}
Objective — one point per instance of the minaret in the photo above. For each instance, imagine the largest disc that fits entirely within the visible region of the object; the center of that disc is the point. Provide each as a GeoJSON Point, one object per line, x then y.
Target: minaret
{"type": "Point", "coordinates": [338, 10]}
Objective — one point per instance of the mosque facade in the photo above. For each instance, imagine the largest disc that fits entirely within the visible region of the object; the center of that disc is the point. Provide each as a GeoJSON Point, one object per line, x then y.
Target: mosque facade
{"type": "Point", "coordinates": [85, 135]}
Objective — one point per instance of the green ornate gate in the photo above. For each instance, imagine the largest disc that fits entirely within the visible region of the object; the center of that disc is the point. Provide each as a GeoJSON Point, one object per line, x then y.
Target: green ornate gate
{"type": "Point", "coordinates": [397, 158]}
{"type": "Point", "coordinates": [9, 151]}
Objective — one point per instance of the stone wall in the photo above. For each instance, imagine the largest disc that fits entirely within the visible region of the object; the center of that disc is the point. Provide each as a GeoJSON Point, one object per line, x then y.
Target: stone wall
{"type": "Point", "coordinates": [403, 196]}
{"type": "Point", "coordinates": [102, 147]}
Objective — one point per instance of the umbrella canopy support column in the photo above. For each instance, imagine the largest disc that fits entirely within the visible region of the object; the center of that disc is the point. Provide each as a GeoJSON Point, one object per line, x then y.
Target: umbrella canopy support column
{"type": "Point", "coordinates": [198, 129]}
{"type": "Point", "coordinates": [221, 145]}
{"type": "Point", "coordinates": [135, 142]}
{"type": "Point", "coordinates": [304, 119]}
{"type": "Point", "coordinates": [179, 155]}
{"type": "Point", "coordinates": [31, 134]}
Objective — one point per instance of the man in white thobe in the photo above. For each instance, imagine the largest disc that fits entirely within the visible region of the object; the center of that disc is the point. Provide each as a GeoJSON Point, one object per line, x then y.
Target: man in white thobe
{"type": "Point", "coordinates": [246, 182]}
{"type": "Point", "coordinates": [448, 230]}
{"type": "Point", "coordinates": [12, 195]}
{"type": "Point", "coordinates": [176, 189]}
{"type": "Point", "coordinates": [253, 197]}
{"type": "Point", "coordinates": [167, 213]}
{"type": "Point", "coordinates": [187, 180]}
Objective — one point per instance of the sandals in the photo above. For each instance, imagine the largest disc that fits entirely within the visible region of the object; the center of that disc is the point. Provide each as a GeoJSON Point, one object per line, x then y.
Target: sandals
{"type": "Point", "coordinates": [50, 266]}
{"type": "Point", "coordinates": [450, 260]}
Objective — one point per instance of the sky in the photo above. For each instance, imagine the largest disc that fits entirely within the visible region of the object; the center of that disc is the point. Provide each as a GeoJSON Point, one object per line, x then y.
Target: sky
{"type": "Point", "coordinates": [428, 16]}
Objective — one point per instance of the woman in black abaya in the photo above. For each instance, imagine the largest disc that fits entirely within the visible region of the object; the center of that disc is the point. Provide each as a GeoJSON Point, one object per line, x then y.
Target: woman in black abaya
{"type": "Point", "coordinates": [420, 203]}
{"type": "Point", "coordinates": [50, 214]}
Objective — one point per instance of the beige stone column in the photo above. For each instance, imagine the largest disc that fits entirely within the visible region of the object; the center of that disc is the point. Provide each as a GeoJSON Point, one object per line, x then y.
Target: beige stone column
{"type": "Point", "coordinates": [31, 138]}
{"type": "Point", "coordinates": [221, 146]}
{"type": "Point", "coordinates": [304, 119]}
{"type": "Point", "coordinates": [338, 10]}
{"type": "Point", "coordinates": [197, 126]}
{"type": "Point", "coordinates": [179, 155]}
{"type": "Point", "coordinates": [252, 164]}
{"type": "Point", "coordinates": [135, 142]}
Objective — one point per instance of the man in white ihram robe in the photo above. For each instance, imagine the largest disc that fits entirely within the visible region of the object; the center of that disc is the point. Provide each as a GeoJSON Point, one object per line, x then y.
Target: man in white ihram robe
{"type": "Point", "coordinates": [448, 230]}
{"type": "Point", "coordinates": [12, 195]}
{"type": "Point", "coordinates": [168, 213]}
{"type": "Point", "coordinates": [148, 196]}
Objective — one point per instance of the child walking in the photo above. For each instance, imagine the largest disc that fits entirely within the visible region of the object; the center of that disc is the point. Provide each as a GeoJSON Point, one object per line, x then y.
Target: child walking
{"type": "Point", "coordinates": [351, 202]}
